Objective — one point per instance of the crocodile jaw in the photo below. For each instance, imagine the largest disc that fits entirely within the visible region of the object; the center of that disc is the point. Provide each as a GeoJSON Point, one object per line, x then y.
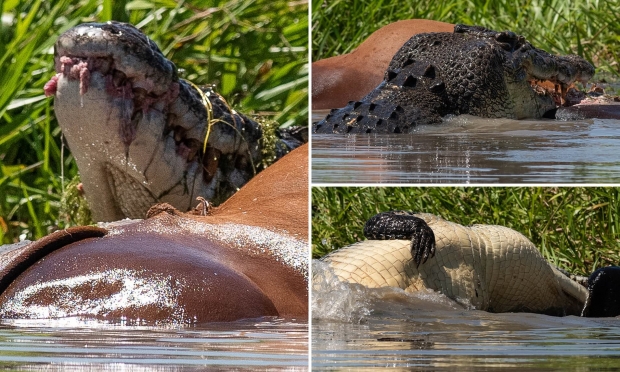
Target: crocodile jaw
{"type": "Point", "coordinates": [136, 130]}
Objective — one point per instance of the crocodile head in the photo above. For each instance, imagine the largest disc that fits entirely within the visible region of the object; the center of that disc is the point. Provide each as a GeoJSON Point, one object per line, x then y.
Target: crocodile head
{"type": "Point", "coordinates": [137, 131]}
{"type": "Point", "coordinates": [470, 71]}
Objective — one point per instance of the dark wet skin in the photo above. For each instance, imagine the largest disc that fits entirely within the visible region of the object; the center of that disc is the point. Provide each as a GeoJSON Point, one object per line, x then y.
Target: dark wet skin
{"type": "Point", "coordinates": [604, 293]}
{"type": "Point", "coordinates": [472, 71]}
{"type": "Point", "coordinates": [403, 225]}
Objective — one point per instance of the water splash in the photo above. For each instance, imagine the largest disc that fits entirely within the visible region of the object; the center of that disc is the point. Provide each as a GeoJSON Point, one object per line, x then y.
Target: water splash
{"type": "Point", "coordinates": [339, 301]}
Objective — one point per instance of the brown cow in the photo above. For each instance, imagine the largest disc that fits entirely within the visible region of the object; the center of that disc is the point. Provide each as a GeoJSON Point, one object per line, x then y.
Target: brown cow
{"type": "Point", "coordinates": [349, 77]}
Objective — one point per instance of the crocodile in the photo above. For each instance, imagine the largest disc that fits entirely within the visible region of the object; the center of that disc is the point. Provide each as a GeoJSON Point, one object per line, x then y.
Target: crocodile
{"type": "Point", "coordinates": [339, 79]}
{"type": "Point", "coordinates": [247, 258]}
{"type": "Point", "coordinates": [472, 70]}
{"type": "Point", "coordinates": [140, 134]}
{"type": "Point", "coordinates": [486, 267]}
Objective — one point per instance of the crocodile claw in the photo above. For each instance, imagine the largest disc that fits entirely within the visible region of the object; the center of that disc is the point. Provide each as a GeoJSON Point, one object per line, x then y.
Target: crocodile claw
{"type": "Point", "coordinates": [403, 225]}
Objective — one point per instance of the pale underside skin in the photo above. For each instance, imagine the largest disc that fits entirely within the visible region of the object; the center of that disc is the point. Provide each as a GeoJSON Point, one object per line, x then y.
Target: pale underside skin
{"type": "Point", "coordinates": [490, 268]}
{"type": "Point", "coordinates": [124, 181]}
{"type": "Point", "coordinates": [137, 132]}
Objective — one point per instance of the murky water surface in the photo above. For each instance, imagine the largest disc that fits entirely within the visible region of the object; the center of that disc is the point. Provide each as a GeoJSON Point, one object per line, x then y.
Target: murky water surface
{"type": "Point", "coordinates": [74, 345]}
{"type": "Point", "coordinates": [467, 149]}
{"type": "Point", "coordinates": [355, 327]}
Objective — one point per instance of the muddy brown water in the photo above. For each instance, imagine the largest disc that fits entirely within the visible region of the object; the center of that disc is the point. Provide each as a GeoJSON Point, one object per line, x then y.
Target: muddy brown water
{"type": "Point", "coordinates": [467, 149]}
{"type": "Point", "coordinates": [72, 344]}
{"type": "Point", "coordinates": [355, 327]}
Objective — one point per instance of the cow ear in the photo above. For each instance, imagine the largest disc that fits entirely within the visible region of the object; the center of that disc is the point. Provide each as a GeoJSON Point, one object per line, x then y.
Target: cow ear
{"type": "Point", "coordinates": [603, 293]}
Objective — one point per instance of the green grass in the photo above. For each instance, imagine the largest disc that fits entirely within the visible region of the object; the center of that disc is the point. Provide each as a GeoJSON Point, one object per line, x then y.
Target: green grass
{"type": "Point", "coordinates": [255, 52]}
{"type": "Point", "coordinates": [585, 27]}
{"type": "Point", "coordinates": [577, 228]}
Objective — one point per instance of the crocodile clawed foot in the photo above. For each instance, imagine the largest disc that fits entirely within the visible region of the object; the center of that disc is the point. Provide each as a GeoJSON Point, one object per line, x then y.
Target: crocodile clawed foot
{"type": "Point", "coordinates": [422, 243]}
{"type": "Point", "coordinates": [403, 225]}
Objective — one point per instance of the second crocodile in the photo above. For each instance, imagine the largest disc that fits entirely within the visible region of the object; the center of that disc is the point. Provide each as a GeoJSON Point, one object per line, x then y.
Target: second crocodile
{"type": "Point", "coordinates": [486, 267]}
